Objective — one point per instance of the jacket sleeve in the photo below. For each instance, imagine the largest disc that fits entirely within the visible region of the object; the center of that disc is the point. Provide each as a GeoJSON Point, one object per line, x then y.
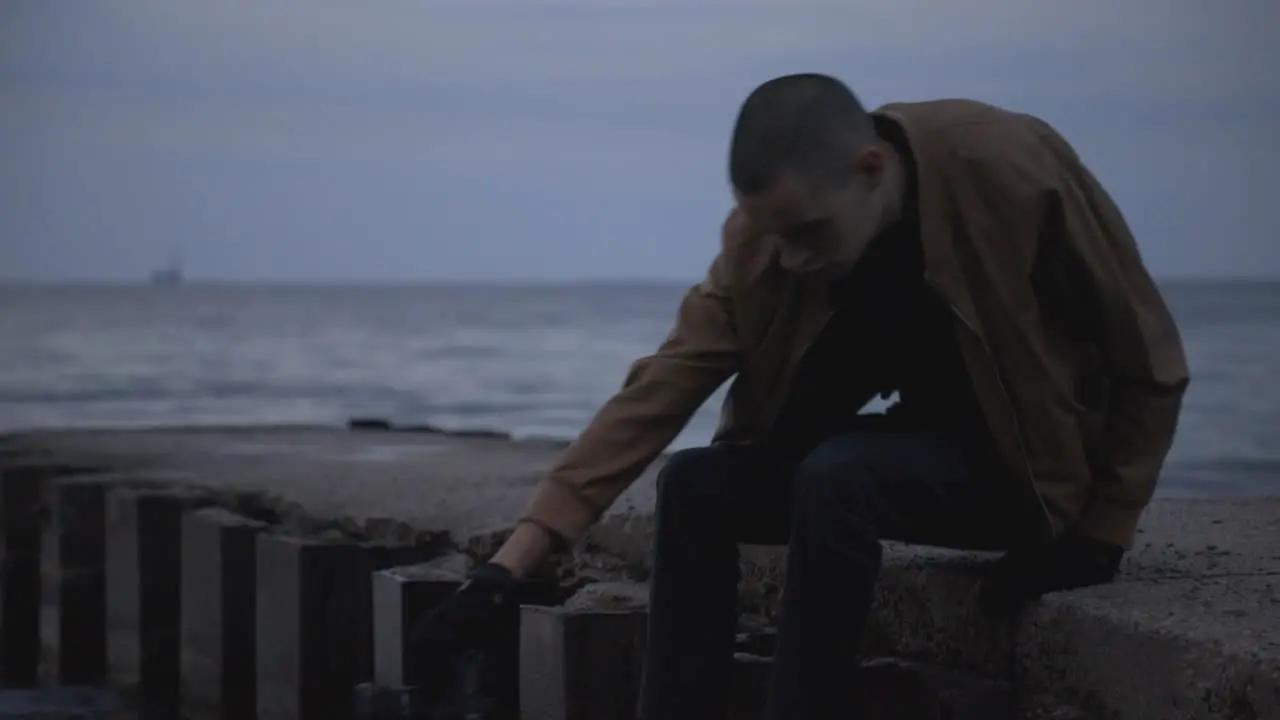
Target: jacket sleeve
{"type": "Point", "coordinates": [1140, 345]}
{"type": "Point", "coordinates": [660, 394]}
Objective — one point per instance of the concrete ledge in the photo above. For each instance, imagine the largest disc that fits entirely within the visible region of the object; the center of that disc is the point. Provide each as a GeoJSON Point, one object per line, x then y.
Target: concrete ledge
{"type": "Point", "coordinates": [1195, 648]}
{"type": "Point", "coordinates": [1192, 617]}
{"type": "Point", "coordinates": [895, 689]}
{"type": "Point", "coordinates": [926, 606]}
{"type": "Point", "coordinates": [1191, 647]}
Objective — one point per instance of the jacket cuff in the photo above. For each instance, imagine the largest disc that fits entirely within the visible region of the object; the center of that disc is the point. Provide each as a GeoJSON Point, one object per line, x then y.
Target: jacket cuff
{"type": "Point", "coordinates": [560, 509]}
{"type": "Point", "coordinates": [1110, 522]}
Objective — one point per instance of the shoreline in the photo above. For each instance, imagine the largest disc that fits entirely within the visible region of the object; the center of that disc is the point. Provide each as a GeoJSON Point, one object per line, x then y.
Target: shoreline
{"type": "Point", "coordinates": [1201, 479]}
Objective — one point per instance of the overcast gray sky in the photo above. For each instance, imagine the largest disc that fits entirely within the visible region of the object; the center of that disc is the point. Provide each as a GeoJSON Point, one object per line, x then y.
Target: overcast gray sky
{"type": "Point", "coordinates": [415, 140]}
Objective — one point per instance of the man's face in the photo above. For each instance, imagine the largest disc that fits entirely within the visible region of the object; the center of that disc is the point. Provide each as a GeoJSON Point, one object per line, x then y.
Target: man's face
{"type": "Point", "coordinates": [824, 226]}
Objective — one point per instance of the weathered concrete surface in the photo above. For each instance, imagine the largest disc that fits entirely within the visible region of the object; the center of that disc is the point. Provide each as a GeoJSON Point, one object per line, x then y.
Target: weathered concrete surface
{"type": "Point", "coordinates": [1189, 631]}
{"type": "Point", "coordinates": [376, 483]}
{"type": "Point", "coordinates": [1205, 648]}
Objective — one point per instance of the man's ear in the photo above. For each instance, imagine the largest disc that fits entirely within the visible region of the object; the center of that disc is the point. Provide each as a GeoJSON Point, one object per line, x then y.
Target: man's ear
{"type": "Point", "coordinates": [871, 163]}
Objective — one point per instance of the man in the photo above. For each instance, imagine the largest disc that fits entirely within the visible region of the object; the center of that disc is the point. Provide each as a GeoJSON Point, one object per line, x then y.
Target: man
{"type": "Point", "coordinates": [954, 252]}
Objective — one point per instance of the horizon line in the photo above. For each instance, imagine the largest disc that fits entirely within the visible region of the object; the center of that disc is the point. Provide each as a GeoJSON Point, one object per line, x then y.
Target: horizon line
{"type": "Point", "coordinates": [482, 282]}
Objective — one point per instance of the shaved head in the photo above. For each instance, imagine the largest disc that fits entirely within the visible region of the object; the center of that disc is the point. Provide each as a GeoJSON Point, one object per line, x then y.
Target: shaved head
{"type": "Point", "coordinates": [809, 124]}
{"type": "Point", "coordinates": [809, 170]}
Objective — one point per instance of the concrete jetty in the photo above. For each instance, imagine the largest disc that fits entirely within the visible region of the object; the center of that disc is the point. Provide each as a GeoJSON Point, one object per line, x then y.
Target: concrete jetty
{"type": "Point", "coordinates": [1190, 630]}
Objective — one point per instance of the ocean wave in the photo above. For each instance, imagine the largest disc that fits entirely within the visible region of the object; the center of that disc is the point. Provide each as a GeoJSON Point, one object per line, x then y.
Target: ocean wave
{"type": "Point", "coordinates": [135, 392]}
{"type": "Point", "coordinates": [526, 361]}
{"type": "Point", "coordinates": [1221, 477]}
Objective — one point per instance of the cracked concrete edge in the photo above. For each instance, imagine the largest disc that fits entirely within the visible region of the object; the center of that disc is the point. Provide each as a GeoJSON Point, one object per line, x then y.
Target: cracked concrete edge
{"type": "Point", "coordinates": [1110, 662]}
{"type": "Point", "coordinates": [282, 514]}
{"type": "Point", "coordinates": [1087, 651]}
{"type": "Point", "coordinates": [612, 556]}
{"type": "Point", "coordinates": [925, 607]}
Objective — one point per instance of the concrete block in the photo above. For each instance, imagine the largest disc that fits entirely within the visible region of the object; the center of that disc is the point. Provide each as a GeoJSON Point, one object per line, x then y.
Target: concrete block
{"type": "Point", "coordinates": [583, 660]}
{"type": "Point", "coordinates": [74, 581]}
{"type": "Point", "coordinates": [22, 514]}
{"type": "Point", "coordinates": [144, 569]}
{"type": "Point", "coordinates": [749, 686]}
{"type": "Point", "coordinates": [389, 702]}
{"type": "Point", "coordinates": [888, 689]}
{"type": "Point", "coordinates": [752, 664]}
{"type": "Point", "coordinates": [464, 700]}
{"type": "Point", "coordinates": [897, 689]}
{"type": "Point", "coordinates": [219, 583]}
{"type": "Point", "coordinates": [761, 642]}
{"type": "Point", "coordinates": [63, 703]}
{"type": "Point", "coordinates": [314, 622]}
{"type": "Point", "coordinates": [401, 595]}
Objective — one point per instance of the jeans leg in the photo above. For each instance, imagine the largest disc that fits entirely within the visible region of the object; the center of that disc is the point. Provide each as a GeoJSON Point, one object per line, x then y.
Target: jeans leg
{"type": "Point", "coordinates": [709, 499]}
{"type": "Point", "coordinates": [851, 491]}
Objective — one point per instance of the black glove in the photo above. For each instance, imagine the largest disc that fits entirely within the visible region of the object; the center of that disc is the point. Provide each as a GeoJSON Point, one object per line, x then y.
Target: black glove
{"type": "Point", "coordinates": [465, 621]}
{"type": "Point", "coordinates": [1065, 563]}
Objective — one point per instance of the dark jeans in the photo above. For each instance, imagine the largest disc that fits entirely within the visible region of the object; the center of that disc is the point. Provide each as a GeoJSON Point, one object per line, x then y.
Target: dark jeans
{"type": "Point", "coordinates": [832, 508]}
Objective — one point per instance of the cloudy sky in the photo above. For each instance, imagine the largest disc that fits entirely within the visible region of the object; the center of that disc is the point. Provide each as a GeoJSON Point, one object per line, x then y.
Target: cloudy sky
{"type": "Point", "coordinates": [415, 140]}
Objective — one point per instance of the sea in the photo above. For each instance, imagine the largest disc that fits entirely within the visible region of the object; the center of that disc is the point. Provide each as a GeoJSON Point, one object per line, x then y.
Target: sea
{"type": "Point", "coordinates": [529, 360]}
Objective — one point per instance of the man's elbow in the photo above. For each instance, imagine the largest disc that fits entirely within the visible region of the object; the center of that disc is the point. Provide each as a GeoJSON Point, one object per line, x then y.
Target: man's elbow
{"type": "Point", "coordinates": [1149, 390]}
{"type": "Point", "coordinates": [1156, 368]}
{"type": "Point", "coordinates": [1168, 386]}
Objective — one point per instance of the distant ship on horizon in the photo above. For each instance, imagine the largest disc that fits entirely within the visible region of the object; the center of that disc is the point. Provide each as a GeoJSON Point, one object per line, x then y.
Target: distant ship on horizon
{"type": "Point", "coordinates": [169, 275]}
{"type": "Point", "coordinates": [166, 276]}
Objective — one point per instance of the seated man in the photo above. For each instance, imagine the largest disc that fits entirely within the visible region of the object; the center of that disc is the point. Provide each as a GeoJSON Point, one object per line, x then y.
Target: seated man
{"type": "Point", "coordinates": [954, 252]}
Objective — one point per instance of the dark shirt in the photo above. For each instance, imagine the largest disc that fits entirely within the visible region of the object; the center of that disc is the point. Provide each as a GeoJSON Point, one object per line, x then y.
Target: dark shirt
{"type": "Point", "coordinates": [890, 331]}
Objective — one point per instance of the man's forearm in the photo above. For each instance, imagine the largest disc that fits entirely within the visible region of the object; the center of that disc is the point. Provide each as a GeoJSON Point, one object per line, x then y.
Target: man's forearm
{"type": "Point", "coordinates": [524, 550]}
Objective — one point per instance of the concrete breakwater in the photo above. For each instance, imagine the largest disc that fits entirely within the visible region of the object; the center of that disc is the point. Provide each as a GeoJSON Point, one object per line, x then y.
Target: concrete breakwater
{"type": "Point", "coordinates": [274, 516]}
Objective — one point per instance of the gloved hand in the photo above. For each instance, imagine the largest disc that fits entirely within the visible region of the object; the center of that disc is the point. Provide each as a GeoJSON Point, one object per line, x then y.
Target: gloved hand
{"type": "Point", "coordinates": [1065, 563]}
{"type": "Point", "coordinates": [466, 620]}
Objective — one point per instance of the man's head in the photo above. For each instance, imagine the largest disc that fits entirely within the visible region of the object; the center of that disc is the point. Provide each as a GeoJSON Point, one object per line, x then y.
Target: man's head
{"type": "Point", "coordinates": [806, 165]}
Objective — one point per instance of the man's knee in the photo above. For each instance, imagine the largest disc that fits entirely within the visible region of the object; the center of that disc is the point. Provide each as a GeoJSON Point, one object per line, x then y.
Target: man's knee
{"type": "Point", "coordinates": [690, 478]}
{"type": "Point", "coordinates": [840, 475]}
